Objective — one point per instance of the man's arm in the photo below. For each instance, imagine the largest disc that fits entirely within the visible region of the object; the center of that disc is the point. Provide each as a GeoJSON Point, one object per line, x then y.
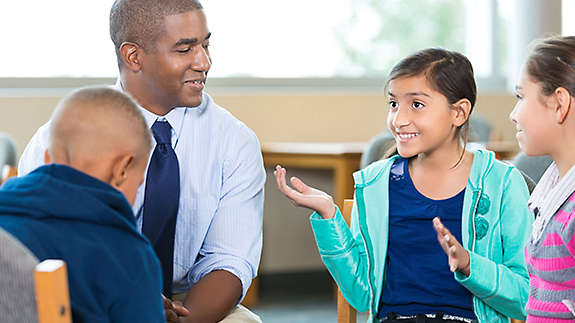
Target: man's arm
{"type": "Point", "coordinates": [230, 253]}
{"type": "Point", "coordinates": [212, 297]}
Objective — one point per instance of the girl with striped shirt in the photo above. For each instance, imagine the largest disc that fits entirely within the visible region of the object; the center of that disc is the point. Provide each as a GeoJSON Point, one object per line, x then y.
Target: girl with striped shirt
{"type": "Point", "coordinates": [545, 120]}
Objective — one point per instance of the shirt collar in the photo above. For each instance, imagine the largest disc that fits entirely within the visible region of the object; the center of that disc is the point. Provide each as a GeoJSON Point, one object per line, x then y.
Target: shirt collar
{"type": "Point", "coordinates": [548, 196]}
{"type": "Point", "coordinates": [175, 117]}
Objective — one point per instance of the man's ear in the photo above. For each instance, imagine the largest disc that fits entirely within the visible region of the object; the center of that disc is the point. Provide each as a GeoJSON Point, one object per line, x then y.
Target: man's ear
{"type": "Point", "coordinates": [132, 55]}
{"type": "Point", "coordinates": [461, 108]}
{"type": "Point", "coordinates": [562, 104]}
{"type": "Point", "coordinates": [120, 170]}
{"type": "Point", "coordinates": [47, 159]}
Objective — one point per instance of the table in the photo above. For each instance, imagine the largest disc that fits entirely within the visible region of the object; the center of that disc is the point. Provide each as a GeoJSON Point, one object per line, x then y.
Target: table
{"type": "Point", "coordinates": [341, 157]}
{"type": "Point", "coordinates": [504, 150]}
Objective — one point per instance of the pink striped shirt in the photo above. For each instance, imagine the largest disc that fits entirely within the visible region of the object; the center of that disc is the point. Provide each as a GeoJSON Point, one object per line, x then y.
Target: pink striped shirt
{"type": "Point", "coordinates": [551, 265]}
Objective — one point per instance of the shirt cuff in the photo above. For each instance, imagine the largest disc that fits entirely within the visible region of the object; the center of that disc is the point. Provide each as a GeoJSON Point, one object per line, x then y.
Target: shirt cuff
{"type": "Point", "coordinates": [237, 267]}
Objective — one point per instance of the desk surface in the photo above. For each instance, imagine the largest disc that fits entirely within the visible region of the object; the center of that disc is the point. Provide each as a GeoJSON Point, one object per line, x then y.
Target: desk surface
{"type": "Point", "coordinates": [316, 148]}
{"type": "Point", "coordinates": [343, 158]}
{"type": "Point", "coordinates": [504, 149]}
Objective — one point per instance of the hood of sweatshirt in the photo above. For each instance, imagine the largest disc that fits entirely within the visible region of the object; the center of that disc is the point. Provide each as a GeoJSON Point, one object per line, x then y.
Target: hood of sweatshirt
{"type": "Point", "coordinates": [63, 193]}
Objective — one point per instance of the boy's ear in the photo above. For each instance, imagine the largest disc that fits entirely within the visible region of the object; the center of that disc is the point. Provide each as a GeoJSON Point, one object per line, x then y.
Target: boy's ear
{"type": "Point", "coordinates": [462, 108]}
{"type": "Point", "coordinates": [562, 104]}
{"type": "Point", "coordinates": [47, 159]}
{"type": "Point", "coordinates": [131, 55]}
{"type": "Point", "coordinates": [120, 170]}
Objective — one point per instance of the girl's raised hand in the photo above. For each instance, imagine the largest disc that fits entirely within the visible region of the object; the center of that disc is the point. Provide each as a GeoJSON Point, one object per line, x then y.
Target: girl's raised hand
{"type": "Point", "coordinates": [458, 256]}
{"type": "Point", "coordinates": [304, 195]}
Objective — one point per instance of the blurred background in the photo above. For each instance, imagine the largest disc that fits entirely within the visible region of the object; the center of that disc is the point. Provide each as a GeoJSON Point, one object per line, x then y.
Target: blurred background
{"type": "Point", "coordinates": [305, 75]}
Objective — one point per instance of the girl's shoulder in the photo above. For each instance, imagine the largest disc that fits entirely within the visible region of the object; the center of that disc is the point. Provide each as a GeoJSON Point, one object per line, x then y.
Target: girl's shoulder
{"type": "Point", "coordinates": [497, 178]}
{"type": "Point", "coordinates": [486, 168]}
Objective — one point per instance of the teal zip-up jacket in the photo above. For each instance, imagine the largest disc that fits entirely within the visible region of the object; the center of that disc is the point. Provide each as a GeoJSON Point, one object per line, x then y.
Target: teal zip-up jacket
{"type": "Point", "coordinates": [496, 224]}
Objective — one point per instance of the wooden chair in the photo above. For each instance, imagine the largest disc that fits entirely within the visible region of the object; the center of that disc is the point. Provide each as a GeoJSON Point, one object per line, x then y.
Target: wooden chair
{"type": "Point", "coordinates": [345, 313]}
{"type": "Point", "coordinates": [52, 295]}
{"type": "Point", "coordinates": [252, 296]}
{"type": "Point", "coordinates": [7, 172]}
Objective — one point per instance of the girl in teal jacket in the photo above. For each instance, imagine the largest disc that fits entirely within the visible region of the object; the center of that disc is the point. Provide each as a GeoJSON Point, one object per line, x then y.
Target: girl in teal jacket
{"type": "Point", "coordinates": [391, 262]}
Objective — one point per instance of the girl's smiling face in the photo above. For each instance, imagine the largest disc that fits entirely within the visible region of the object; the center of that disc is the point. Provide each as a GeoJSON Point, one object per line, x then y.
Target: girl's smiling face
{"type": "Point", "coordinates": [533, 118]}
{"type": "Point", "coordinates": [421, 118]}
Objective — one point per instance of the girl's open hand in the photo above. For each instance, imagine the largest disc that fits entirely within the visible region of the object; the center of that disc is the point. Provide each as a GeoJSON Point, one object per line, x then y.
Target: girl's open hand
{"type": "Point", "coordinates": [304, 195]}
{"type": "Point", "coordinates": [458, 256]}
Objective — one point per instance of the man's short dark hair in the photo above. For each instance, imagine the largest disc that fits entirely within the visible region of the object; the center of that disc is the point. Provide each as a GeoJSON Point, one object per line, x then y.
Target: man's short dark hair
{"type": "Point", "coordinates": [140, 21]}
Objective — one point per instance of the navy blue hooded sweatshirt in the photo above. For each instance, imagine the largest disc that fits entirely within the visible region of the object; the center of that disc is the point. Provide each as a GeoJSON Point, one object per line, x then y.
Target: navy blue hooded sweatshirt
{"type": "Point", "coordinates": [61, 213]}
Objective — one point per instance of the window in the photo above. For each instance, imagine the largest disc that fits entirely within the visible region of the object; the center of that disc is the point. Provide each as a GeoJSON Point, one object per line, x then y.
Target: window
{"type": "Point", "coordinates": [56, 39]}
{"type": "Point", "coordinates": [568, 23]}
{"type": "Point", "coordinates": [326, 38]}
{"type": "Point", "coordinates": [255, 38]}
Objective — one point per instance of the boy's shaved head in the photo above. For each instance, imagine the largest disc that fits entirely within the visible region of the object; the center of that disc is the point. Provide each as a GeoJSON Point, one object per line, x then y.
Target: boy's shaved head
{"type": "Point", "coordinates": [141, 21]}
{"type": "Point", "coordinates": [96, 124]}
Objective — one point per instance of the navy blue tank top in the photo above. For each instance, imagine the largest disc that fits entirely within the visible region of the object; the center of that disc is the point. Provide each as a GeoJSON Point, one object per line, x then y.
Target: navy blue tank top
{"type": "Point", "coordinates": [417, 276]}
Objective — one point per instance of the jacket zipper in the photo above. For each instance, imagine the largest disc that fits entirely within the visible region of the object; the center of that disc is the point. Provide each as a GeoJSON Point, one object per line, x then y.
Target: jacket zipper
{"type": "Point", "coordinates": [472, 217]}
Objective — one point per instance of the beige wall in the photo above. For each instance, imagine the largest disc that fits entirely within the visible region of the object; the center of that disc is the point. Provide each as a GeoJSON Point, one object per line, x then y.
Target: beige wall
{"type": "Point", "coordinates": [20, 117]}
{"type": "Point", "coordinates": [275, 117]}
{"type": "Point", "coordinates": [288, 240]}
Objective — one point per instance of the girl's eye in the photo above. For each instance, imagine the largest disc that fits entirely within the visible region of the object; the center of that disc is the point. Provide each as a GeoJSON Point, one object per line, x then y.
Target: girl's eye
{"type": "Point", "coordinates": [393, 105]}
{"type": "Point", "coordinates": [417, 105]}
{"type": "Point", "coordinates": [519, 97]}
{"type": "Point", "coordinates": [183, 50]}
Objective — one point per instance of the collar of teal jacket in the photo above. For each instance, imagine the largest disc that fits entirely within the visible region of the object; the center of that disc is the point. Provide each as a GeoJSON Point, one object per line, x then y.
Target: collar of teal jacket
{"type": "Point", "coordinates": [372, 182]}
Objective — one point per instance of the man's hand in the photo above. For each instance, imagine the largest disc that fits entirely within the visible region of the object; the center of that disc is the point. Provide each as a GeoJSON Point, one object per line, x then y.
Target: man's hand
{"type": "Point", "coordinates": [305, 196]}
{"type": "Point", "coordinates": [174, 310]}
{"type": "Point", "coordinates": [458, 256]}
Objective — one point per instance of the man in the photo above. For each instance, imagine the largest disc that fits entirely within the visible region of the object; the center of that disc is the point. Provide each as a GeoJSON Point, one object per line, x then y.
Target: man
{"type": "Point", "coordinates": [78, 208]}
{"type": "Point", "coordinates": [202, 201]}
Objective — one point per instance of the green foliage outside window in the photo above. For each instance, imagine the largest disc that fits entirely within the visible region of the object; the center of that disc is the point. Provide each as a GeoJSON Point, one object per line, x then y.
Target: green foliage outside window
{"type": "Point", "coordinates": [392, 29]}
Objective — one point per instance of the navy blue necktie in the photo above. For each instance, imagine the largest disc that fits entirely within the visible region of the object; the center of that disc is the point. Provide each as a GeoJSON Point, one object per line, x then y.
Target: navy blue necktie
{"type": "Point", "coordinates": [161, 201]}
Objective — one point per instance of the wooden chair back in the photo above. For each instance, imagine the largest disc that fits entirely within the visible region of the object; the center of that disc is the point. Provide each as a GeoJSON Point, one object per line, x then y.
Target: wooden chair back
{"type": "Point", "coordinates": [52, 295]}
{"type": "Point", "coordinates": [7, 172]}
{"type": "Point", "coordinates": [345, 313]}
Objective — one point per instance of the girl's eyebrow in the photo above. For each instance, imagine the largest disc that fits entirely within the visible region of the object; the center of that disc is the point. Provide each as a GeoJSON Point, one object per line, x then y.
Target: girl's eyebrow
{"type": "Point", "coordinates": [418, 94]}
{"type": "Point", "coordinates": [411, 94]}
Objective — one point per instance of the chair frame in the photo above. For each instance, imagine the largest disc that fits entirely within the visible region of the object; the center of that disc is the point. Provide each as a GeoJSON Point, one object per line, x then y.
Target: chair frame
{"type": "Point", "coordinates": [52, 294]}
{"type": "Point", "coordinates": [345, 312]}
{"type": "Point", "coordinates": [7, 172]}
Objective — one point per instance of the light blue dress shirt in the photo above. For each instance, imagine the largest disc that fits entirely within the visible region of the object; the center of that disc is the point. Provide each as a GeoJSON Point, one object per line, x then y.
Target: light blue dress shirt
{"type": "Point", "coordinates": [219, 225]}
